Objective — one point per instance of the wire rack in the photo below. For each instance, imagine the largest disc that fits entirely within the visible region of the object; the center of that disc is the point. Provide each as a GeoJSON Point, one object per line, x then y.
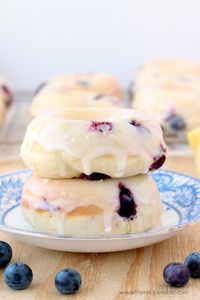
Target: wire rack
{"type": "Point", "coordinates": [12, 131]}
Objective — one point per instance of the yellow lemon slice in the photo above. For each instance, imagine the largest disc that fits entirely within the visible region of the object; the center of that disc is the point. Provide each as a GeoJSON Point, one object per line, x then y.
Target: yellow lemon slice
{"type": "Point", "coordinates": [194, 137]}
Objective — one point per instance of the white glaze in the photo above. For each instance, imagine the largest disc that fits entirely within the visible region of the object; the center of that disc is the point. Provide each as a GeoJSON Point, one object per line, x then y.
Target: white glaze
{"type": "Point", "coordinates": [74, 137]}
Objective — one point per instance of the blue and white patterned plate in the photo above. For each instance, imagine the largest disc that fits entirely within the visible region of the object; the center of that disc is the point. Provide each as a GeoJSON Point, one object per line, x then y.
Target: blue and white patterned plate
{"type": "Point", "coordinates": [180, 195]}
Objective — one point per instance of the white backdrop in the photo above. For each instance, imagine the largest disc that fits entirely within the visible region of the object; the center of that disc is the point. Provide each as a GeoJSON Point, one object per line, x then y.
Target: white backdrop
{"type": "Point", "coordinates": [41, 38]}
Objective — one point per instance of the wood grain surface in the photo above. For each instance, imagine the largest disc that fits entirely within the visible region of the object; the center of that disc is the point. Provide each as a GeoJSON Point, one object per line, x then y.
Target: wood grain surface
{"type": "Point", "coordinates": [133, 274]}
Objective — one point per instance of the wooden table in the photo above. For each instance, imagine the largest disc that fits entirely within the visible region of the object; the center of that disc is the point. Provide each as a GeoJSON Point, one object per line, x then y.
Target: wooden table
{"type": "Point", "coordinates": [133, 274]}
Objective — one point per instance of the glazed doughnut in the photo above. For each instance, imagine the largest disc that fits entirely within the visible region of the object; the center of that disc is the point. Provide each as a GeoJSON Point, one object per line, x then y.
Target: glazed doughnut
{"type": "Point", "coordinates": [180, 83]}
{"type": "Point", "coordinates": [171, 75]}
{"type": "Point", "coordinates": [99, 83]}
{"type": "Point", "coordinates": [51, 102]}
{"type": "Point", "coordinates": [169, 90]}
{"type": "Point", "coordinates": [84, 207]}
{"type": "Point", "coordinates": [176, 110]}
{"type": "Point", "coordinates": [170, 67]}
{"type": "Point", "coordinates": [117, 142]}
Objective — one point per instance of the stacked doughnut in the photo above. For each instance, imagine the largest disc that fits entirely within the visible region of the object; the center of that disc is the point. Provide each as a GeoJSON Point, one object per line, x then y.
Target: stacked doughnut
{"type": "Point", "coordinates": [6, 98]}
{"type": "Point", "coordinates": [90, 169]}
{"type": "Point", "coordinates": [79, 90]}
{"type": "Point", "coordinates": [170, 90]}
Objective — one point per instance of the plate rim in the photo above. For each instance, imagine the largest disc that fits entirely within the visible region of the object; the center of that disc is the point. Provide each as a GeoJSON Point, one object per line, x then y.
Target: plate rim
{"type": "Point", "coordinates": [139, 235]}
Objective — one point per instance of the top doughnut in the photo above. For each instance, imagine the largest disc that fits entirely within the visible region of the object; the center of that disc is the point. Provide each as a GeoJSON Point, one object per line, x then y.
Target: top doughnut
{"type": "Point", "coordinates": [118, 143]}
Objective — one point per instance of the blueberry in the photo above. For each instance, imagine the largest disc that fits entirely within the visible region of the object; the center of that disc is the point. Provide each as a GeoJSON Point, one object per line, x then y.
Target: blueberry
{"type": "Point", "coordinates": [5, 254]}
{"type": "Point", "coordinates": [7, 91]}
{"type": "Point", "coordinates": [135, 123]}
{"type": "Point", "coordinates": [158, 162]}
{"type": "Point", "coordinates": [38, 89]}
{"type": "Point", "coordinates": [98, 96]}
{"type": "Point", "coordinates": [68, 281]}
{"type": "Point", "coordinates": [95, 176]}
{"type": "Point", "coordinates": [18, 276]}
{"type": "Point", "coordinates": [192, 261]}
{"type": "Point", "coordinates": [84, 83]}
{"type": "Point", "coordinates": [128, 206]}
{"type": "Point", "coordinates": [100, 126]}
{"type": "Point", "coordinates": [176, 122]}
{"type": "Point", "coordinates": [176, 274]}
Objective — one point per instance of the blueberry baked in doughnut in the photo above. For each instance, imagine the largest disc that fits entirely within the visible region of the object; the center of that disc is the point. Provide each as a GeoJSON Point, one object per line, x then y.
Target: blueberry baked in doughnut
{"type": "Point", "coordinates": [91, 207]}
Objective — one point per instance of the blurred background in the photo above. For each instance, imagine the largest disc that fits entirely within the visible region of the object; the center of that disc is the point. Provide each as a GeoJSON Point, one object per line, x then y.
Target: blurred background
{"type": "Point", "coordinates": [40, 39]}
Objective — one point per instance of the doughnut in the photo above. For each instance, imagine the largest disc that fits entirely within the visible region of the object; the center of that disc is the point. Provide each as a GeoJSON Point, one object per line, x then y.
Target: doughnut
{"type": "Point", "coordinates": [118, 142]}
{"type": "Point", "coordinates": [169, 90]}
{"type": "Point", "coordinates": [91, 207]}
{"type": "Point", "coordinates": [177, 111]}
{"type": "Point", "coordinates": [45, 102]}
{"type": "Point", "coordinates": [2, 111]}
{"type": "Point", "coordinates": [170, 67]}
{"type": "Point", "coordinates": [180, 83]}
{"type": "Point", "coordinates": [99, 83]}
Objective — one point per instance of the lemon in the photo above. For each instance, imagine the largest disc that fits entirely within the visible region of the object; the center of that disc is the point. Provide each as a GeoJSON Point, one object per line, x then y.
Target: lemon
{"type": "Point", "coordinates": [194, 138]}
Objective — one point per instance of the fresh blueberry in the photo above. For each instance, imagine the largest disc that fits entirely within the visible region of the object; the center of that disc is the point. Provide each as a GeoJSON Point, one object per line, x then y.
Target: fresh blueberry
{"type": "Point", "coordinates": [158, 162]}
{"type": "Point", "coordinates": [192, 261]}
{"type": "Point", "coordinates": [95, 176]}
{"type": "Point", "coordinates": [176, 122]}
{"type": "Point", "coordinates": [5, 254]}
{"type": "Point", "coordinates": [100, 126]}
{"type": "Point", "coordinates": [128, 206]}
{"type": "Point", "coordinates": [176, 274]}
{"type": "Point", "coordinates": [68, 281]}
{"type": "Point", "coordinates": [18, 276]}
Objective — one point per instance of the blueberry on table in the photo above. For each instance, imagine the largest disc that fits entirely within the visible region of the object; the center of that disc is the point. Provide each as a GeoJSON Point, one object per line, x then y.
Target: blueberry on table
{"type": "Point", "coordinates": [68, 281]}
{"type": "Point", "coordinates": [192, 261]}
{"type": "Point", "coordinates": [176, 274]}
{"type": "Point", "coordinates": [18, 276]}
{"type": "Point", "coordinates": [5, 254]}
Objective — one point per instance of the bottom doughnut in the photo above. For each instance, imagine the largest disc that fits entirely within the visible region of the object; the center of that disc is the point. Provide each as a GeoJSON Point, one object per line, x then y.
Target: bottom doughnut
{"type": "Point", "coordinates": [91, 207]}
